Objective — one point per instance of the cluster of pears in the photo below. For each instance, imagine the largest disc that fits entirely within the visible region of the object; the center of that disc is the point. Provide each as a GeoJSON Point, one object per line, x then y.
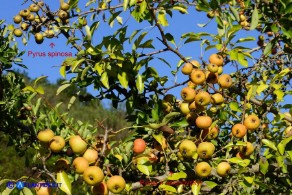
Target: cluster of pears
{"type": "Point", "coordinates": [31, 18]}
{"type": "Point", "coordinates": [194, 98]}
{"type": "Point", "coordinates": [85, 162]}
{"type": "Point", "coordinates": [239, 130]}
{"type": "Point", "coordinates": [205, 151]}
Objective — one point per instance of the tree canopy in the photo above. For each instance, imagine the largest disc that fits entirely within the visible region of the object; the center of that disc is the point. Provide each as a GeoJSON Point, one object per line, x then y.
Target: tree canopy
{"type": "Point", "coordinates": [228, 131]}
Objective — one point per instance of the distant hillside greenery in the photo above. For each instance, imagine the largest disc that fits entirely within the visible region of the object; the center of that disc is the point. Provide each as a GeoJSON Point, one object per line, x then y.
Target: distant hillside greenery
{"type": "Point", "coordinates": [84, 109]}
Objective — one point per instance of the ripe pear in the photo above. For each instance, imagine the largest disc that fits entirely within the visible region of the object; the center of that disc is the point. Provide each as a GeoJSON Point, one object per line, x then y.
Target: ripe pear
{"type": "Point", "coordinates": [210, 133]}
{"type": "Point", "coordinates": [216, 59]}
{"type": "Point", "coordinates": [24, 26]}
{"type": "Point", "coordinates": [90, 155]}
{"type": "Point", "coordinates": [205, 149]}
{"type": "Point", "coordinates": [17, 19]}
{"type": "Point", "coordinates": [17, 32]}
{"type": "Point", "coordinates": [184, 108]}
{"type": "Point", "coordinates": [246, 150]}
{"type": "Point", "coordinates": [57, 144]}
{"type": "Point", "coordinates": [225, 81]}
{"type": "Point", "coordinates": [64, 6]}
{"type": "Point", "coordinates": [203, 169]}
{"type": "Point", "coordinates": [139, 146]}
{"type": "Point", "coordinates": [188, 94]}
{"type": "Point", "coordinates": [45, 136]}
{"type": "Point", "coordinates": [30, 17]}
{"type": "Point", "coordinates": [116, 184]}
{"type": "Point", "coordinates": [198, 77]}
{"type": "Point", "coordinates": [42, 190]}
{"type": "Point", "coordinates": [203, 98]}
{"type": "Point", "coordinates": [187, 148]}
{"type": "Point", "coordinates": [62, 164]}
{"type": "Point", "coordinates": [100, 189]}
{"type": "Point", "coordinates": [63, 15]}
{"type": "Point", "coordinates": [34, 8]}
{"type": "Point", "coordinates": [79, 165]}
{"type": "Point", "coordinates": [212, 68]}
{"type": "Point", "coordinates": [39, 38]}
{"type": "Point", "coordinates": [195, 63]}
{"type": "Point", "coordinates": [187, 69]}
{"type": "Point", "coordinates": [217, 99]}
{"type": "Point", "coordinates": [93, 175]}
{"type": "Point", "coordinates": [212, 77]}
{"type": "Point", "coordinates": [239, 130]}
{"type": "Point", "coordinates": [24, 13]}
{"type": "Point", "coordinates": [203, 122]}
{"type": "Point", "coordinates": [223, 169]}
{"type": "Point", "coordinates": [77, 144]}
{"type": "Point", "coordinates": [252, 122]}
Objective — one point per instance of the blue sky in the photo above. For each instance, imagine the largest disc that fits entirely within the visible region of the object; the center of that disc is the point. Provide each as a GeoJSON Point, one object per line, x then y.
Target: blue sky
{"type": "Point", "coordinates": [179, 24]}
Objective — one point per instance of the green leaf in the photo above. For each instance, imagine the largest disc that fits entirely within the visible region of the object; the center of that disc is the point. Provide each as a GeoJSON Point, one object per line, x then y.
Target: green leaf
{"type": "Point", "coordinates": [62, 87]}
{"type": "Point", "coordinates": [181, 8]}
{"type": "Point", "coordinates": [144, 165]}
{"type": "Point", "coordinates": [281, 163]}
{"type": "Point", "coordinates": [234, 12]}
{"type": "Point", "coordinates": [280, 76]}
{"type": "Point", "coordinates": [162, 18]}
{"type": "Point", "coordinates": [99, 68]}
{"type": "Point", "coordinates": [268, 49]}
{"type": "Point", "coordinates": [242, 60]}
{"type": "Point", "coordinates": [235, 107]}
{"type": "Point", "coordinates": [251, 92]}
{"type": "Point", "coordinates": [196, 188]}
{"type": "Point", "coordinates": [63, 178]}
{"type": "Point", "coordinates": [168, 188]}
{"type": "Point", "coordinates": [39, 79]}
{"type": "Point", "coordinates": [170, 116]}
{"type": "Point", "coordinates": [262, 87]}
{"type": "Point", "coordinates": [159, 138]}
{"type": "Point", "coordinates": [63, 71]}
{"type": "Point", "coordinates": [26, 191]}
{"type": "Point", "coordinates": [234, 54]}
{"type": "Point", "coordinates": [211, 184]}
{"type": "Point", "coordinates": [281, 146]}
{"type": "Point", "coordinates": [88, 33]}
{"type": "Point", "coordinates": [264, 166]}
{"type": "Point", "coordinates": [170, 38]}
{"type": "Point", "coordinates": [270, 144]}
{"type": "Point", "coordinates": [7, 191]}
{"type": "Point", "coordinates": [290, 154]}
{"type": "Point", "coordinates": [104, 80]}
{"type": "Point", "coordinates": [40, 90]}
{"type": "Point", "coordinates": [4, 181]}
{"type": "Point", "coordinates": [123, 78]}
{"type": "Point", "coordinates": [76, 64]}
{"type": "Point", "coordinates": [280, 94]}
{"type": "Point", "coordinates": [139, 84]}
{"type": "Point", "coordinates": [245, 39]}
{"type": "Point", "coordinates": [71, 102]}
{"type": "Point", "coordinates": [249, 179]}
{"type": "Point", "coordinates": [29, 88]}
{"type": "Point", "coordinates": [254, 19]}
{"type": "Point", "coordinates": [177, 176]}
{"type": "Point", "coordinates": [125, 5]}
{"type": "Point", "coordinates": [241, 162]}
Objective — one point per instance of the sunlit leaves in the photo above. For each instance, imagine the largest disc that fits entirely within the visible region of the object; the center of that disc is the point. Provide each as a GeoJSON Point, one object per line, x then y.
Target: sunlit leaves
{"type": "Point", "coordinates": [162, 18]}
{"type": "Point", "coordinates": [254, 19]}
{"type": "Point", "coordinates": [63, 178]}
